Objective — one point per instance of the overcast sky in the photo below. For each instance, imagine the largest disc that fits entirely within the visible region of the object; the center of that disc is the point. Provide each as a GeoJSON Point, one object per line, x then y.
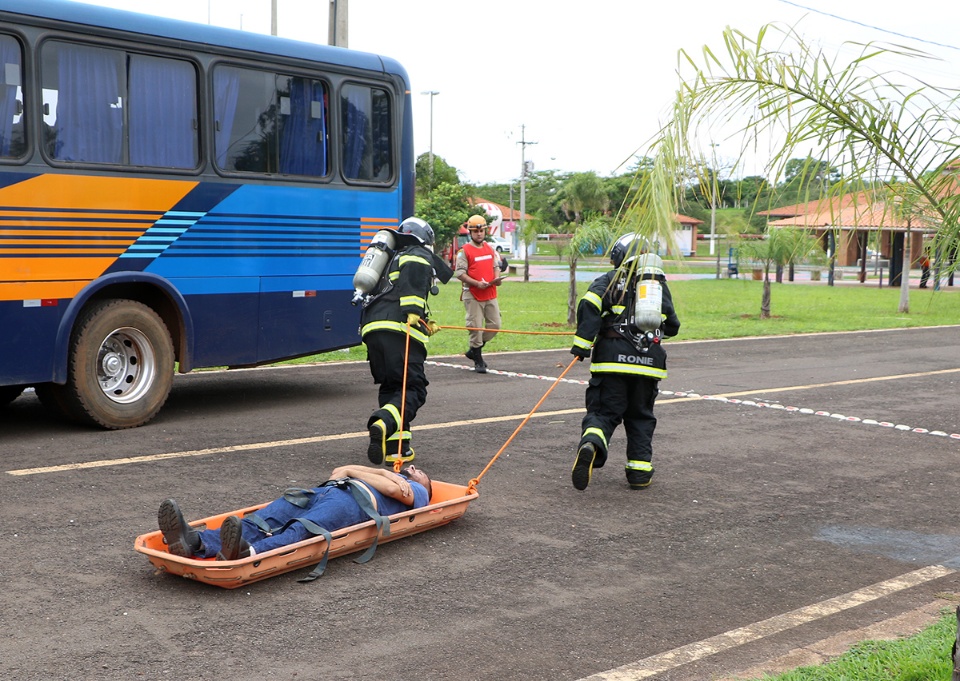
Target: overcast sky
{"type": "Point", "coordinates": [589, 79]}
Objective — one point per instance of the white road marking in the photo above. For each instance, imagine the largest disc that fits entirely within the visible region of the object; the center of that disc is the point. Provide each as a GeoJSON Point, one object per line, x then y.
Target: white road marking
{"type": "Point", "coordinates": [671, 659]}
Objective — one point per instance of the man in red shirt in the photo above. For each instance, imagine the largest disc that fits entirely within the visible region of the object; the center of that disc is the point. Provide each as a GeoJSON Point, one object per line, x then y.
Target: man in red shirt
{"type": "Point", "coordinates": [479, 268]}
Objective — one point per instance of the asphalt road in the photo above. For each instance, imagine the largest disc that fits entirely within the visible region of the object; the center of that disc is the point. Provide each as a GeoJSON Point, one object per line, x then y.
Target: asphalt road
{"type": "Point", "coordinates": [804, 486]}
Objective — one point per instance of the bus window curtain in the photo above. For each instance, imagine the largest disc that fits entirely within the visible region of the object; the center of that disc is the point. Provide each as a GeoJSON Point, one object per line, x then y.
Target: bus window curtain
{"type": "Point", "coordinates": [355, 132]}
{"type": "Point", "coordinates": [226, 92]}
{"type": "Point", "coordinates": [9, 60]}
{"type": "Point", "coordinates": [162, 112]}
{"type": "Point", "coordinates": [89, 124]}
{"type": "Point", "coordinates": [303, 131]}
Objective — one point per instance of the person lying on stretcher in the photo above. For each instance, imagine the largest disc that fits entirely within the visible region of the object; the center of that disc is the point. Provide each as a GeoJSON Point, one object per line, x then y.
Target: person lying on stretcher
{"type": "Point", "coordinates": [296, 515]}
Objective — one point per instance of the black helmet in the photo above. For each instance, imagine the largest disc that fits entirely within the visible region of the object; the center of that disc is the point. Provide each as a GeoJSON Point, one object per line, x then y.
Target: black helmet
{"type": "Point", "coordinates": [627, 248]}
{"type": "Point", "coordinates": [418, 228]}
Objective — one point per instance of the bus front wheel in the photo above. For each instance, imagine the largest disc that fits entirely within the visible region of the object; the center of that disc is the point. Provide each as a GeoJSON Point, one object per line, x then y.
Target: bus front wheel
{"type": "Point", "coordinates": [120, 368]}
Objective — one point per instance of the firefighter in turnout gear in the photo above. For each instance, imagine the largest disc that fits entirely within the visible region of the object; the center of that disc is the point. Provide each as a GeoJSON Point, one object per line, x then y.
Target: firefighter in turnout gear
{"type": "Point", "coordinates": [615, 325]}
{"type": "Point", "coordinates": [395, 307]}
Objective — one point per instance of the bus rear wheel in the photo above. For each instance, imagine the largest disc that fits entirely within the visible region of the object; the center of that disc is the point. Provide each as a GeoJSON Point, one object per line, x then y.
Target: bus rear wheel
{"type": "Point", "coordinates": [120, 367]}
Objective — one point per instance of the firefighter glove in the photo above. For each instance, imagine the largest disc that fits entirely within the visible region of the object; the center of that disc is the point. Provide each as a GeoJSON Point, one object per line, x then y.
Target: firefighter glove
{"type": "Point", "coordinates": [581, 353]}
{"type": "Point", "coordinates": [413, 319]}
{"type": "Point", "coordinates": [432, 327]}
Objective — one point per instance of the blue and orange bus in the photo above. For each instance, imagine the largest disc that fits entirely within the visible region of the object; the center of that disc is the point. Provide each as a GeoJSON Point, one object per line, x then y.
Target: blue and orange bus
{"type": "Point", "coordinates": [176, 196]}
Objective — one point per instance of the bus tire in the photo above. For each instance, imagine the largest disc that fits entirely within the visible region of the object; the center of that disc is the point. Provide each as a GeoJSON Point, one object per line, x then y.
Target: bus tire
{"type": "Point", "coordinates": [8, 393]}
{"type": "Point", "coordinates": [120, 368]}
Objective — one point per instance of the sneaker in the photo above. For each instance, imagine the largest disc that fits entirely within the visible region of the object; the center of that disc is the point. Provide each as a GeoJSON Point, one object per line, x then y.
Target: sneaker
{"type": "Point", "coordinates": [378, 442]}
{"type": "Point", "coordinates": [232, 544]}
{"type": "Point", "coordinates": [583, 466]}
{"type": "Point", "coordinates": [182, 540]}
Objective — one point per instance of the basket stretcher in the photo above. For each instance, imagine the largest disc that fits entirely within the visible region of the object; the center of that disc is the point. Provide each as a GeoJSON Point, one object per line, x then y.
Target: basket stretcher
{"type": "Point", "coordinates": [448, 502]}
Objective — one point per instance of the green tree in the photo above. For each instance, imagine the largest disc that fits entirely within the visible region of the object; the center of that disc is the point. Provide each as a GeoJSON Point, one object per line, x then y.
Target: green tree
{"type": "Point", "coordinates": [445, 208]}
{"type": "Point", "coordinates": [581, 196]}
{"type": "Point", "coordinates": [880, 123]}
{"type": "Point", "coordinates": [442, 174]}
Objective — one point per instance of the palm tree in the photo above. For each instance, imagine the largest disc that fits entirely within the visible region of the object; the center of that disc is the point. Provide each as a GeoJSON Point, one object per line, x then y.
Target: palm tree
{"type": "Point", "coordinates": [888, 129]}
{"type": "Point", "coordinates": [581, 196]}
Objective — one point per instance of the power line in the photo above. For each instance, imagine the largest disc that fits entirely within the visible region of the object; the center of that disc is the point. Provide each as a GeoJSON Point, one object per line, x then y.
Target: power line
{"type": "Point", "coordinates": [870, 26]}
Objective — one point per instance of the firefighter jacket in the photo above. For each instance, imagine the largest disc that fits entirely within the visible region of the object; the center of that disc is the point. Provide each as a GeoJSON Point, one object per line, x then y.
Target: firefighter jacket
{"type": "Point", "coordinates": [402, 289]}
{"type": "Point", "coordinates": [603, 324]}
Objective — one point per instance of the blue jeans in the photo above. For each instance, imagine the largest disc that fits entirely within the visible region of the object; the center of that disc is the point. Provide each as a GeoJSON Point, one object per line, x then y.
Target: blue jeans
{"type": "Point", "coordinates": [330, 507]}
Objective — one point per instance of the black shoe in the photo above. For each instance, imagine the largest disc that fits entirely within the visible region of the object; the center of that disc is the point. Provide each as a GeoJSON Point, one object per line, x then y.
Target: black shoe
{"type": "Point", "coordinates": [583, 466]}
{"type": "Point", "coordinates": [232, 544]}
{"type": "Point", "coordinates": [469, 354]}
{"type": "Point", "coordinates": [182, 540]}
{"type": "Point", "coordinates": [480, 367]}
{"type": "Point", "coordinates": [378, 442]}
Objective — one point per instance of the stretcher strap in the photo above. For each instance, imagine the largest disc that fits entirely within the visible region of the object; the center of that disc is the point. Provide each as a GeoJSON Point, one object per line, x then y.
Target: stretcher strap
{"type": "Point", "coordinates": [365, 502]}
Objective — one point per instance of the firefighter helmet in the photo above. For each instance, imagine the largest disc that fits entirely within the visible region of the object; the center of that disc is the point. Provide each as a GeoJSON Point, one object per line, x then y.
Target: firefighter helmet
{"type": "Point", "coordinates": [418, 228]}
{"type": "Point", "coordinates": [476, 222]}
{"type": "Point", "coordinates": [627, 248]}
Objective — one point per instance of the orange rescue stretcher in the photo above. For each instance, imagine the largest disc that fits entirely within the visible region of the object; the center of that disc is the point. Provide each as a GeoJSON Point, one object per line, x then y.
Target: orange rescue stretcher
{"type": "Point", "coordinates": [448, 502]}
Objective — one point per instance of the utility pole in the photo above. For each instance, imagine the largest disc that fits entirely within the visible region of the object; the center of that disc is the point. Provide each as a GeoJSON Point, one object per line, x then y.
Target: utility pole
{"type": "Point", "coordinates": [273, 17]}
{"type": "Point", "coordinates": [337, 28]}
{"type": "Point", "coordinates": [432, 94]}
{"type": "Point", "coordinates": [523, 201]}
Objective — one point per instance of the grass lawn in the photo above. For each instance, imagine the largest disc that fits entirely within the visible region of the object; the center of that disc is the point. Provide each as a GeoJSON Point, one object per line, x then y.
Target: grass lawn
{"type": "Point", "coordinates": [708, 308]}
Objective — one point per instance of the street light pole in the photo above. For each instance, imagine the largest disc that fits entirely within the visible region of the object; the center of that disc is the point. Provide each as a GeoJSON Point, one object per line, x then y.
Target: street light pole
{"type": "Point", "coordinates": [523, 201]}
{"type": "Point", "coordinates": [432, 94]}
{"type": "Point", "coordinates": [273, 17]}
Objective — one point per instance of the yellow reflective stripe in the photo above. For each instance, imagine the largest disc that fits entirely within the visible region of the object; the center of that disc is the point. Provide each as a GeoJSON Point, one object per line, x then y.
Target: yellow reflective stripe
{"type": "Point", "coordinates": [393, 276]}
{"type": "Point", "coordinates": [630, 369]}
{"type": "Point", "coordinates": [618, 309]}
{"type": "Point", "coordinates": [598, 433]}
{"type": "Point", "coordinates": [593, 299]}
{"type": "Point", "coordinates": [639, 466]}
{"type": "Point", "coordinates": [399, 327]}
{"type": "Point", "coordinates": [395, 413]}
{"type": "Point", "coordinates": [400, 434]}
{"type": "Point", "coordinates": [582, 343]}
{"type": "Point", "coordinates": [406, 301]}
{"type": "Point", "coordinates": [405, 259]}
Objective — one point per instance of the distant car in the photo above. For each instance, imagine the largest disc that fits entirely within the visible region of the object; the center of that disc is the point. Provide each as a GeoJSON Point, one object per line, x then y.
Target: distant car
{"type": "Point", "coordinates": [498, 242]}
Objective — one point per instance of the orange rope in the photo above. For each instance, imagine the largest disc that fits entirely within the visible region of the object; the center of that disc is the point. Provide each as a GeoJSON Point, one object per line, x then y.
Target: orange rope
{"type": "Point", "coordinates": [533, 333]}
{"type": "Point", "coordinates": [398, 464]}
{"type": "Point", "coordinates": [472, 486]}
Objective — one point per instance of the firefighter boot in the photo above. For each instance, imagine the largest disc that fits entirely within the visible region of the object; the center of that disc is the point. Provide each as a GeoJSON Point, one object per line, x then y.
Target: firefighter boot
{"type": "Point", "coordinates": [639, 474]}
{"type": "Point", "coordinates": [583, 466]}
{"type": "Point", "coordinates": [378, 442]}
{"type": "Point", "coordinates": [479, 365]}
{"type": "Point", "coordinates": [405, 455]}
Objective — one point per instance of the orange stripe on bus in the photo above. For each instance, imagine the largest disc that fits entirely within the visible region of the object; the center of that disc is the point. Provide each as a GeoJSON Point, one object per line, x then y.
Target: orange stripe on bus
{"type": "Point", "coordinates": [64, 232]}
{"type": "Point", "coordinates": [63, 251]}
{"type": "Point", "coordinates": [68, 214]}
{"type": "Point", "coordinates": [389, 220]}
{"type": "Point", "coordinates": [44, 290]}
{"type": "Point", "coordinates": [38, 225]}
{"type": "Point", "coordinates": [53, 269]}
{"type": "Point", "coordinates": [66, 192]}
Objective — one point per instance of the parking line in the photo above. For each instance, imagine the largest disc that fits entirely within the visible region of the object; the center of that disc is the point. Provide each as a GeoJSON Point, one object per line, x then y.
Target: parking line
{"type": "Point", "coordinates": [693, 652]}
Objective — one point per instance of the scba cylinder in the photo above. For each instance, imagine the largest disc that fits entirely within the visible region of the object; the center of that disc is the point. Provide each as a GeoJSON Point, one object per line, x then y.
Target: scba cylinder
{"type": "Point", "coordinates": [374, 262]}
{"type": "Point", "coordinates": [647, 312]}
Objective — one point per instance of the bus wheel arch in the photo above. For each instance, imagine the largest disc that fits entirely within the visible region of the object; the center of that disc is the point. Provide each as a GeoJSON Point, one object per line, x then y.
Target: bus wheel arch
{"type": "Point", "coordinates": [120, 365]}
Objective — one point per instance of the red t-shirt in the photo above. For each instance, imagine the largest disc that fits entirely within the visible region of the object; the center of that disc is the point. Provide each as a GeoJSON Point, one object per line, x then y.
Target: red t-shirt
{"type": "Point", "coordinates": [481, 265]}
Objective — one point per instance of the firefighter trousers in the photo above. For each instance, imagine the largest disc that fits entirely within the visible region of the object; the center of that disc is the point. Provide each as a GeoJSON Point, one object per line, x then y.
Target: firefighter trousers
{"type": "Point", "coordinates": [612, 399]}
{"type": "Point", "coordinates": [385, 352]}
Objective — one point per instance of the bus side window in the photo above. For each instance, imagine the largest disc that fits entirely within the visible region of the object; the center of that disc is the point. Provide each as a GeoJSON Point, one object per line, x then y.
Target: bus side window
{"type": "Point", "coordinates": [83, 102]}
{"type": "Point", "coordinates": [162, 112]}
{"type": "Point", "coordinates": [107, 106]}
{"type": "Point", "coordinates": [12, 141]}
{"type": "Point", "coordinates": [269, 123]}
{"type": "Point", "coordinates": [367, 133]}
